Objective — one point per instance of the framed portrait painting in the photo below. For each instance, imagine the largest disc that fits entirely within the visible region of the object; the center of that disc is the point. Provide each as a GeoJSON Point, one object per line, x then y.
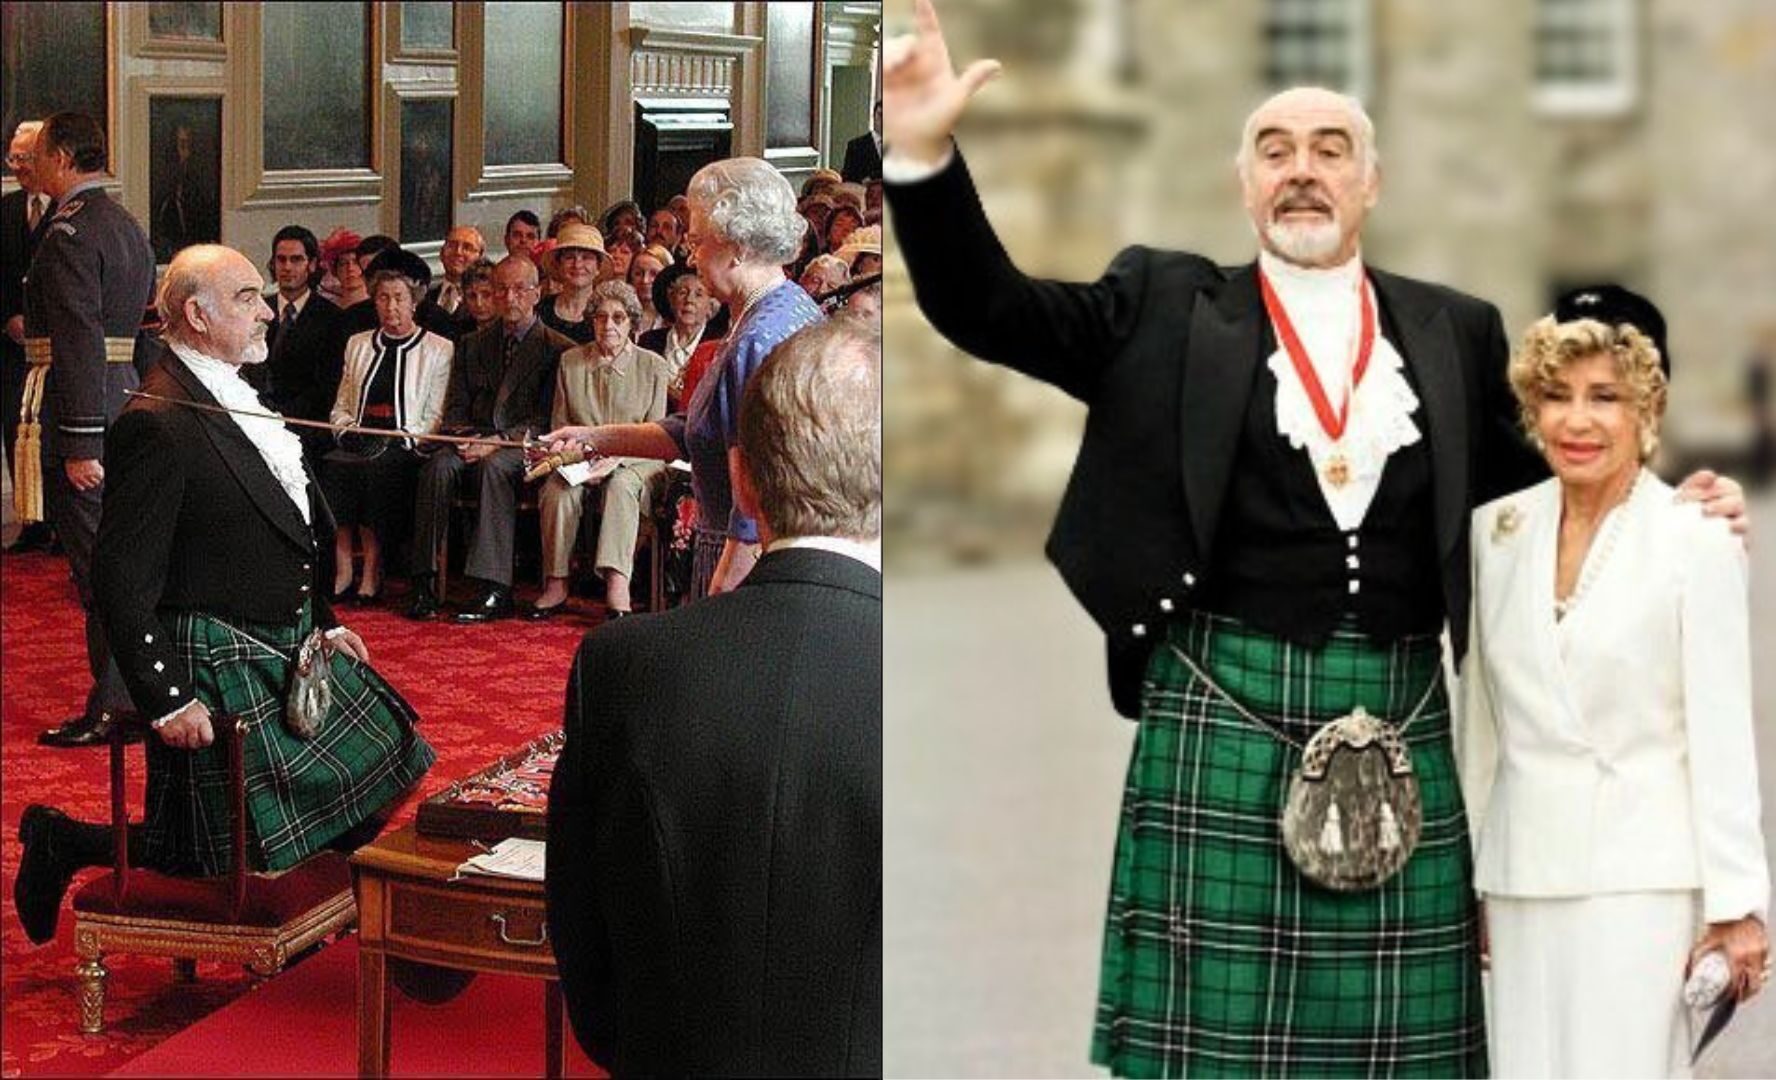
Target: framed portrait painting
{"type": "Point", "coordinates": [184, 173]}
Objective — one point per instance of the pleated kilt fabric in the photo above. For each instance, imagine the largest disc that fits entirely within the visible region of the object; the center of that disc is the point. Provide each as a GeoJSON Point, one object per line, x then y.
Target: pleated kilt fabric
{"type": "Point", "coordinates": [300, 793]}
{"type": "Point", "coordinates": [1219, 958]}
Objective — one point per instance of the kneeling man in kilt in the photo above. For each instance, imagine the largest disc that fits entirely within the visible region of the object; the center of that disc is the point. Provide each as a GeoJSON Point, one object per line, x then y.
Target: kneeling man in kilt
{"type": "Point", "coordinates": [209, 582]}
{"type": "Point", "coordinates": [1268, 518]}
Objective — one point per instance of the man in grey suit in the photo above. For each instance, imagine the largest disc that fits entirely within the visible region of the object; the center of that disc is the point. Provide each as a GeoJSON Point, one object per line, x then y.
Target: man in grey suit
{"type": "Point", "coordinates": [90, 281]}
{"type": "Point", "coordinates": [499, 387]}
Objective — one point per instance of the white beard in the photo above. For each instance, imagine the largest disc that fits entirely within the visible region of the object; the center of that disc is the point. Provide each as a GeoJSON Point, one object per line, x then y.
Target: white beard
{"type": "Point", "coordinates": [1304, 244]}
{"type": "Point", "coordinates": [256, 352]}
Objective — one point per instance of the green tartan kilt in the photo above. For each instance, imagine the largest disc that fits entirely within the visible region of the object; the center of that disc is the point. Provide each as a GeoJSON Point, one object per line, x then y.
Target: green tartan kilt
{"type": "Point", "coordinates": [1219, 958]}
{"type": "Point", "coordinates": [300, 793]}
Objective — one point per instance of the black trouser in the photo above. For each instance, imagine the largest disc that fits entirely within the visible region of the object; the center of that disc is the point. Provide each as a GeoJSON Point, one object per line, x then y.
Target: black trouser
{"type": "Point", "coordinates": [75, 517]}
{"type": "Point", "coordinates": [498, 478]}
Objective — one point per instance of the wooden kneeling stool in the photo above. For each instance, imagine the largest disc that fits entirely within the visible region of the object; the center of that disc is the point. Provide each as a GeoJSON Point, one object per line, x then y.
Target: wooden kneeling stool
{"type": "Point", "coordinates": [257, 920]}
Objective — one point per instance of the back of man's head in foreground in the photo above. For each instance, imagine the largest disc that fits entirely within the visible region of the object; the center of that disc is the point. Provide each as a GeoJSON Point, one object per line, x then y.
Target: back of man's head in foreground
{"type": "Point", "coordinates": [810, 453]}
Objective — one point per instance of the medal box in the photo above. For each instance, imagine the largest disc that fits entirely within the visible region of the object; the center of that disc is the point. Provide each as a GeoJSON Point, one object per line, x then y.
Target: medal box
{"type": "Point", "coordinates": [508, 798]}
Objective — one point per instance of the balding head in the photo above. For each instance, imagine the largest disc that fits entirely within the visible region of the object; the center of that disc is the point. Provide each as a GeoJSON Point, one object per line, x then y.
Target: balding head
{"type": "Point", "coordinates": [21, 153]}
{"type": "Point", "coordinates": [211, 301]}
{"type": "Point", "coordinates": [1309, 175]}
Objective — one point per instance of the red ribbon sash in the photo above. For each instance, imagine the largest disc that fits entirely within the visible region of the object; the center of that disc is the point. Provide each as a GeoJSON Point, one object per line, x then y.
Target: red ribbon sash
{"type": "Point", "coordinates": [1332, 423]}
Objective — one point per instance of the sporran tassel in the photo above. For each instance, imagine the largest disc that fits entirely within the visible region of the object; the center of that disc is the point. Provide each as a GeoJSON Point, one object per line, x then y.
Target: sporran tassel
{"type": "Point", "coordinates": [1332, 835]}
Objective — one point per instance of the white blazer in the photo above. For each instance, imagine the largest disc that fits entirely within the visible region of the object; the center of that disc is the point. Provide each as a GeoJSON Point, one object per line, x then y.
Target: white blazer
{"type": "Point", "coordinates": [1612, 751]}
{"type": "Point", "coordinates": [422, 378]}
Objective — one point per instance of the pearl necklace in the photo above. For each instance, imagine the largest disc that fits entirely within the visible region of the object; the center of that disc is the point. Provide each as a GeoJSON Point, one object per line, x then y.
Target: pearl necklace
{"type": "Point", "coordinates": [753, 296]}
{"type": "Point", "coordinates": [1594, 561]}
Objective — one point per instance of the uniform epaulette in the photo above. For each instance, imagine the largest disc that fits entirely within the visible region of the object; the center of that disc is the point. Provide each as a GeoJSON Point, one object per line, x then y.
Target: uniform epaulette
{"type": "Point", "coordinates": [69, 209]}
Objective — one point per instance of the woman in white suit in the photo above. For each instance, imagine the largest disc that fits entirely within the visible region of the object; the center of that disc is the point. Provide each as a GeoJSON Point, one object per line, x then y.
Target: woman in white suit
{"type": "Point", "coordinates": [1606, 737]}
{"type": "Point", "coordinates": [395, 377]}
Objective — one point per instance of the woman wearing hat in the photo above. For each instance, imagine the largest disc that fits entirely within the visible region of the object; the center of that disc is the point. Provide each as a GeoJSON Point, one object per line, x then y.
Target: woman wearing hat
{"type": "Point", "coordinates": [573, 263]}
{"type": "Point", "coordinates": [1606, 733]}
{"type": "Point", "coordinates": [683, 301]}
{"type": "Point", "coordinates": [744, 228]}
{"type": "Point", "coordinates": [862, 251]}
{"type": "Point", "coordinates": [395, 379]}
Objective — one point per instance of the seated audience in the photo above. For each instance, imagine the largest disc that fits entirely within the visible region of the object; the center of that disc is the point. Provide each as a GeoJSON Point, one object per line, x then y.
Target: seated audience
{"type": "Point", "coordinates": [342, 278]}
{"type": "Point", "coordinates": [462, 247]}
{"type": "Point", "coordinates": [574, 262]}
{"type": "Point", "coordinates": [500, 381]}
{"type": "Point", "coordinates": [844, 219]}
{"type": "Point", "coordinates": [862, 251]}
{"type": "Point", "coordinates": [609, 380]}
{"type": "Point", "coordinates": [395, 379]}
{"type": "Point", "coordinates": [821, 181]}
{"type": "Point", "coordinates": [824, 274]}
{"type": "Point", "coordinates": [714, 855]}
{"type": "Point", "coordinates": [684, 302]}
{"type": "Point", "coordinates": [866, 304]}
{"type": "Point", "coordinates": [523, 230]}
{"type": "Point", "coordinates": [567, 215]}
{"type": "Point", "coordinates": [478, 307]}
{"type": "Point", "coordinates": [205, 590]}
{"type": "Point", "coordinates": [663, 230]}
{"type": "Point", "coordinates": [360, 316]}
{"type": "Point", "coordinates": [302, 369]}
{"type": "Point", "coordinates": [622, 214]}
{"type": "Point", "coordinates": [621, 249]}
{"type": "Point", "coordinates": [643, 270]}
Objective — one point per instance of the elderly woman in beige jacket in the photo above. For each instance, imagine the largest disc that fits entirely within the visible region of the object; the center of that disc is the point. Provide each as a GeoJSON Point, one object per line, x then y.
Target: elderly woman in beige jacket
{"type": "Point", "coordinates": [609, 380]}
{"type": "Point", "coordinates": [1606, 739]}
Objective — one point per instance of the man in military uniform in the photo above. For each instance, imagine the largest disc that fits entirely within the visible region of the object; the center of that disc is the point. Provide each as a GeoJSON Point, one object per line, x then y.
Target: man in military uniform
{"type": "Point", "coordinates": [92, 275]}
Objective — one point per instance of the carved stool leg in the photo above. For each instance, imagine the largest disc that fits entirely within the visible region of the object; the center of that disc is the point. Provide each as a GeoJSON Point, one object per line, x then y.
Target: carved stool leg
{"type": "Point", "coordinates": [92, 994]}
{"type": "Point", "coordinates": [184, 970]}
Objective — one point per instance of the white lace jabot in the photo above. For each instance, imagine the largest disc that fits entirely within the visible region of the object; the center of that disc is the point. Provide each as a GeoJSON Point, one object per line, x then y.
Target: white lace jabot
{"type": "Point", "coordinates": [281, 449]}
{"type": "Point", "coordinates": [1325, 309]}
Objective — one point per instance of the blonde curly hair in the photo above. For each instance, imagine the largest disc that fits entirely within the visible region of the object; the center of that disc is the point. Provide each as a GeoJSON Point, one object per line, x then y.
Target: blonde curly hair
{"type": "Point", "coordinates": [1549, 347]}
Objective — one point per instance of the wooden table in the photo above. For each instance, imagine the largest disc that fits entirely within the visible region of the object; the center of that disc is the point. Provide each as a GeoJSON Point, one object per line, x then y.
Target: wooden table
{"type": "Point", "coordinates": [410, 909]}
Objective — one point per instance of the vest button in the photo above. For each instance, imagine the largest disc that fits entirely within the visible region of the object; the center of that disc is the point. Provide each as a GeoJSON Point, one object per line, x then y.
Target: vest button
{"type": "Point", "coordinates": [1166, 605]}
{"type": "Point", "coordinates": [1139, 630]}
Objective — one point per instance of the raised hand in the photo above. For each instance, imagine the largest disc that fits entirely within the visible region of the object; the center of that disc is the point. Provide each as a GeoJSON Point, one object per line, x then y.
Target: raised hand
{"type": "Point", "coordinates": [922, 96]}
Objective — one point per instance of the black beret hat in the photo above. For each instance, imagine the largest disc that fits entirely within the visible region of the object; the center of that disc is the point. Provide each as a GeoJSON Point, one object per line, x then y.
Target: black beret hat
{"type": "Point", "coordinates": [402, 262]}
{"type": "Point", "coordinates": [1613, 306]}
{"type": "Point", "coordinates": [663, 287]}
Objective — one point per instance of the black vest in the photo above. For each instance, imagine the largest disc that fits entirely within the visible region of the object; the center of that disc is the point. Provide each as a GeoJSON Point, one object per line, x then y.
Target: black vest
{"type": "Point", "coordinates": [1283, 566]}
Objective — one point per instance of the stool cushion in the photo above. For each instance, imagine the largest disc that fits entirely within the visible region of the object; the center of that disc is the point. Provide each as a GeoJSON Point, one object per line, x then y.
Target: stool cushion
{"type": "Point", "coordinates": [271, 901]}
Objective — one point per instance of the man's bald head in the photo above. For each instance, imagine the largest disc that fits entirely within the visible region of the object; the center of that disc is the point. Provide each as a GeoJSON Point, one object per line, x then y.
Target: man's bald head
{"type": "Point", "coordinates": [211, 301]}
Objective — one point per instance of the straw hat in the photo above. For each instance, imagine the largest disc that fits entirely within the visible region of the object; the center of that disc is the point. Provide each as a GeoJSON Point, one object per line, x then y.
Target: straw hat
{"type": "Point", "coordinates": [574, 235]}
{"type": "Point", "coordinates": [864, 241]}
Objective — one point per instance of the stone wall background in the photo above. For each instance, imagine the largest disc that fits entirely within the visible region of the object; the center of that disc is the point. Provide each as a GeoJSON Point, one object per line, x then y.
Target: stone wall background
{"type": "Point", "coordinates": [1116, 122]}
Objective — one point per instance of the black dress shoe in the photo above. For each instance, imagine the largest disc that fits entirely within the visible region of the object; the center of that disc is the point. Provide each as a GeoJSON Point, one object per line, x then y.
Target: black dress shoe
{"type": "Point", "coordinates": [495, 603]}
{"type": "Point", "coordinates": [537, 612]}
{"type": "Point", "coordinates": [424, 604]}
{"type": "Point", "coordinates": [43, 876]}
{"type": "Point", "coordinates": [86, 731]}
{"type": "Point", "coordinates": [33, 537]}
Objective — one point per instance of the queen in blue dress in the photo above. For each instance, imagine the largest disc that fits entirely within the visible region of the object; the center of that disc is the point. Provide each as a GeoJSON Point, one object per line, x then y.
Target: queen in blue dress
{"type": "Point", "coordinates": [744, 229]}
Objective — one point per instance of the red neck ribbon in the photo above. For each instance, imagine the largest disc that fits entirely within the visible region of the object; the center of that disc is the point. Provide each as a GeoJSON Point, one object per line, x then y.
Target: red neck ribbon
{"type": "Point", "coordinates": [1332, 423]}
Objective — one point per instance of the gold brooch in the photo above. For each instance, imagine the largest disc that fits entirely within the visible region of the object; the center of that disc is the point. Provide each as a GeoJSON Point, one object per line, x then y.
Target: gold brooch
{"type": "Point", "coordinates": [1505, 522]}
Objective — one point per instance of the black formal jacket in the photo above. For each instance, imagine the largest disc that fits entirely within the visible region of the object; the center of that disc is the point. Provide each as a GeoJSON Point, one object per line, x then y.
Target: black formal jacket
{"type": "Point", "coordinates": [194, 520]}
{"type": "Point", "coordinates": [1165, 349]}
{"type": "Point", "coordinates": [90, 279]}
{"type": "Point", "coordinates": [302, 370]}
{"type": "Point", "coordinates": [17, 244]}
{"type": "Point", "coordinates": [715, 831]}
{"type": "Point", "coordinates": [487, 398]}
{"type": "Point", "coordinates": [863, 161]}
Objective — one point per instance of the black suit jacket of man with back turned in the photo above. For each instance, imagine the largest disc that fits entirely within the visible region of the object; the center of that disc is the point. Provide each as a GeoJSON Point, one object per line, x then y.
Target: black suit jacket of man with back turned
{"type": "Point", "coordinates": [715, 830]}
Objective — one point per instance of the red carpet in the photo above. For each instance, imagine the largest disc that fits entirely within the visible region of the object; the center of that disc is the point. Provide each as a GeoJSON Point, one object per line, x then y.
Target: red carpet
{"type": "Point", "coordinates": [480, 691]}
{"type": "Point", "coordinates": [294, 1025]}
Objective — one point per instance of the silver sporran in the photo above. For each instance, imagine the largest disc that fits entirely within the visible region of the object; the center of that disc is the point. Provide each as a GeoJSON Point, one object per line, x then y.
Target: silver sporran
{"type": "Point", "coordinates": [311, 690]}
{"type": "Point", "coordinates": [1353, 815]}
